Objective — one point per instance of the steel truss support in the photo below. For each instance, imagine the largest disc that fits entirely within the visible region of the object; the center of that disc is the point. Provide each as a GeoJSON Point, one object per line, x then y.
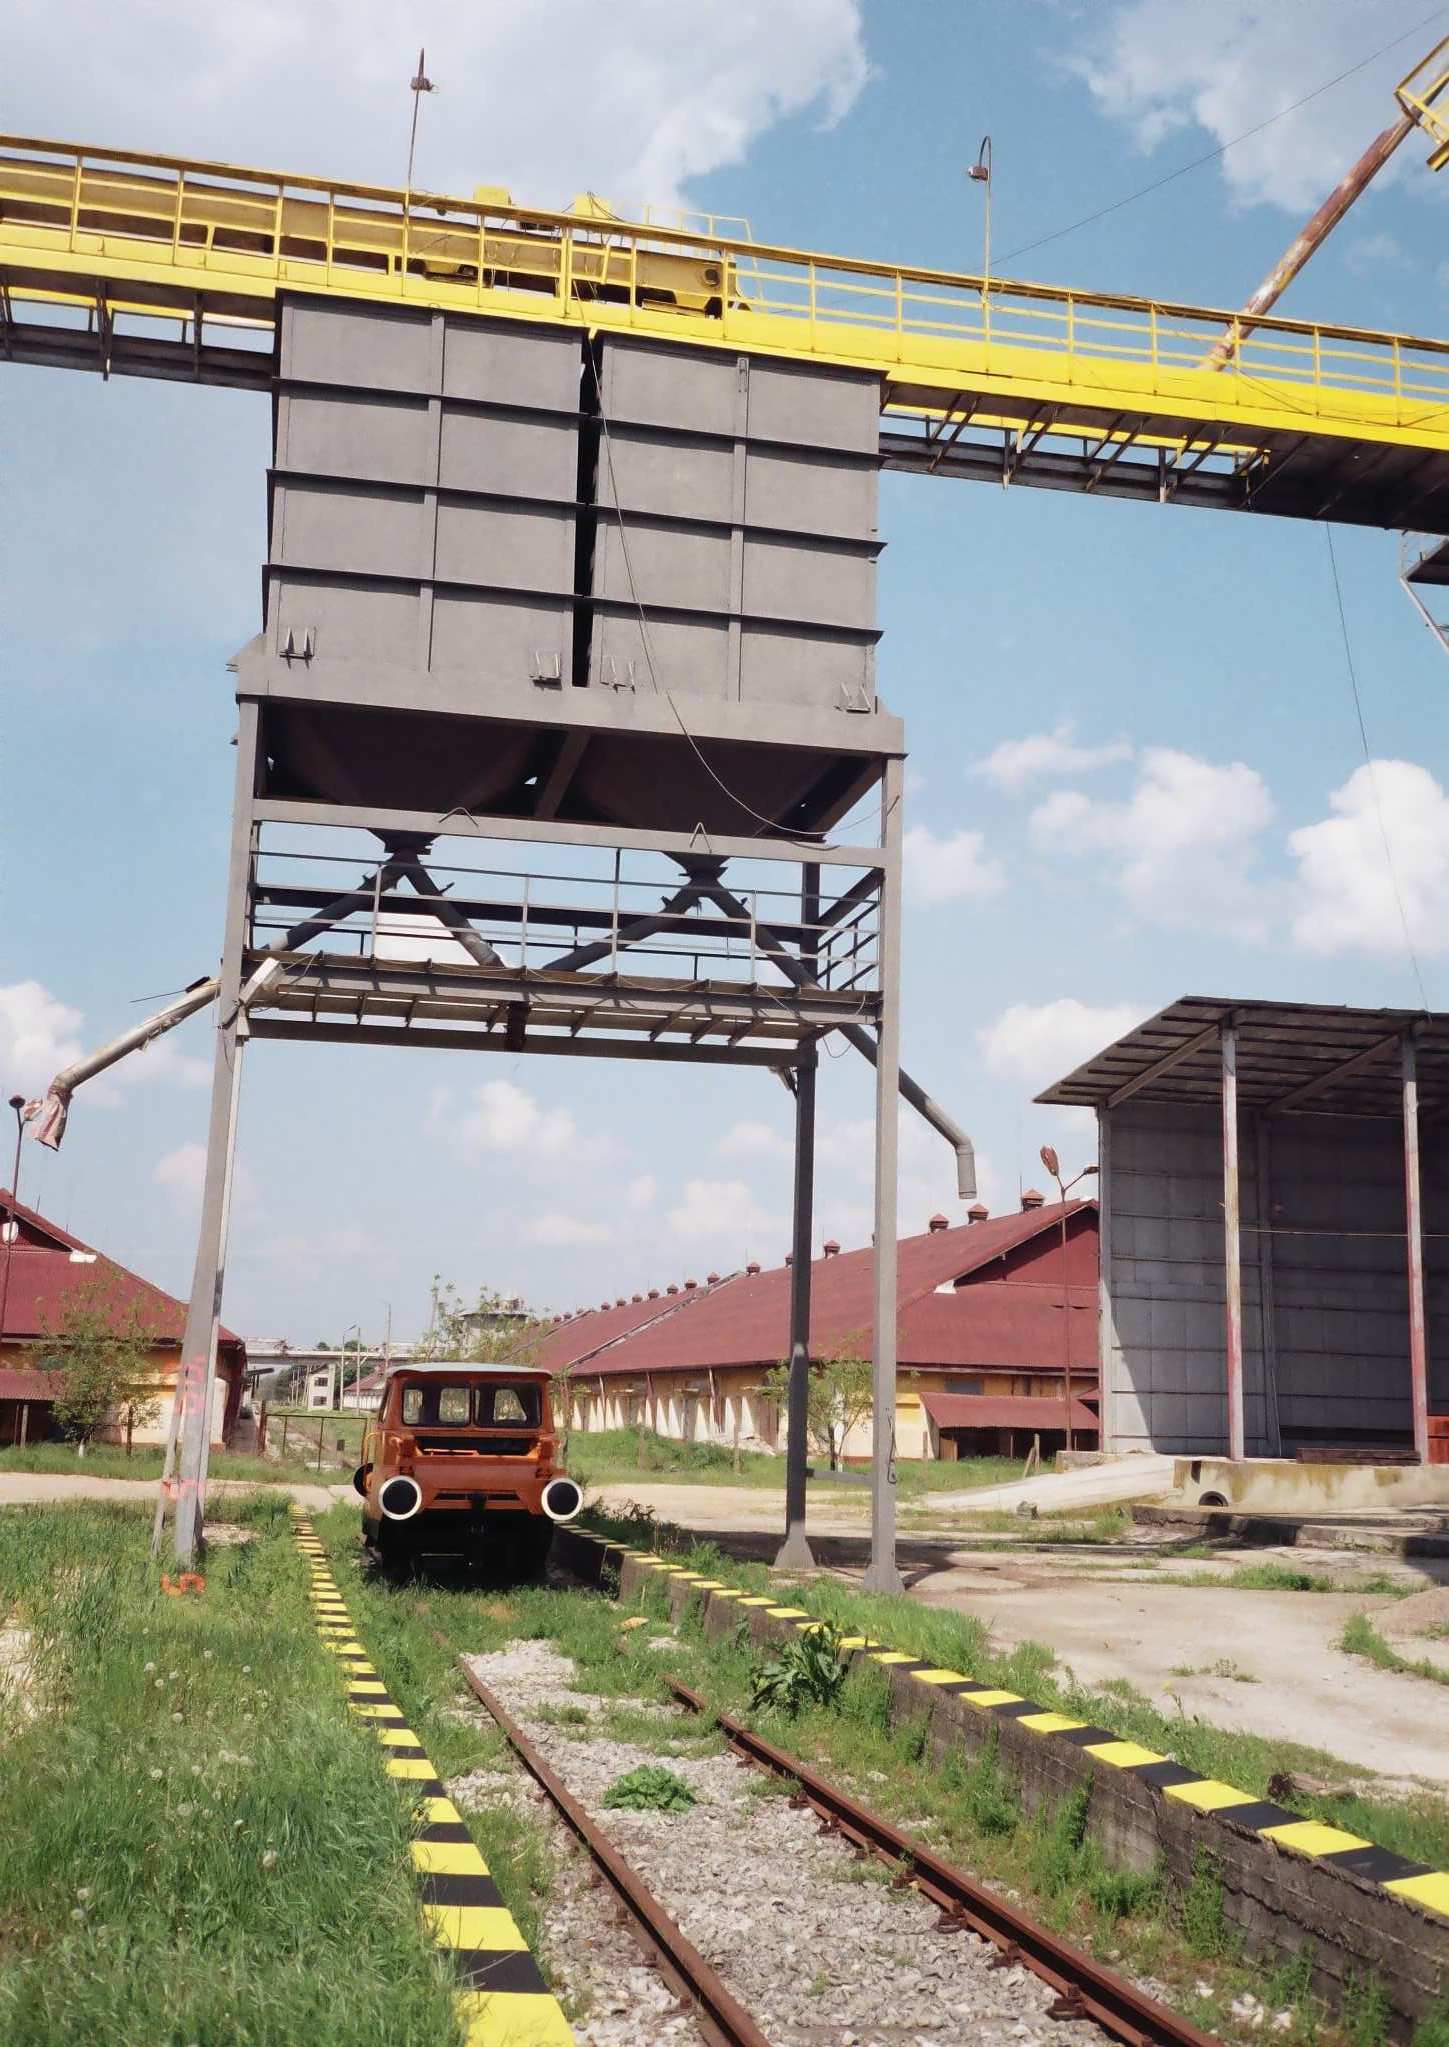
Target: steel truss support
{"type": "Point", "coordinates": [196, 1371]}
{"type": "Point", "coordinates": [795, 1553]}
{"type": "Point", "coordinates": [881, 1574]}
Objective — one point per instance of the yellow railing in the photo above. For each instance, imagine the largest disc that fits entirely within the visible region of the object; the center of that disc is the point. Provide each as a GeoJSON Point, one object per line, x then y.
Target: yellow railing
{"type": "Point", "coordinates": [168, 235]}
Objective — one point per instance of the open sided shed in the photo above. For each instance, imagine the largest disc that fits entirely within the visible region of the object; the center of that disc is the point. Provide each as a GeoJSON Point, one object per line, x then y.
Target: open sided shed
{"type": "Point", "coordinates": [1274, 1194]}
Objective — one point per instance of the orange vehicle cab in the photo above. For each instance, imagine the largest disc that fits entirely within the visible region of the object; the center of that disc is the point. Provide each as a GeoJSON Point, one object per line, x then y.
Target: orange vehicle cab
{"type": "Point", "coordinates": [463, 1459]}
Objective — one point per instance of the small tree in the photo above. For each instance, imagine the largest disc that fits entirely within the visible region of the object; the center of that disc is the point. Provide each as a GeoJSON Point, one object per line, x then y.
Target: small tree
{"type": "Point", "coordinates": [105, 1360]}
{"type": "Point", "coordinates": [840, 1397]}
{"type": "Point", "coordinates": [487, 1331]}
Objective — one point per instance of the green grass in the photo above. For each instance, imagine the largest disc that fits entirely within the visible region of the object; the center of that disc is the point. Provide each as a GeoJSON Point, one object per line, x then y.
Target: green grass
{"type": "Point", "coordinates": [959, 1641]}
{"type": "Point", "coordinates": [109, 1460]}
{"type": "Point", "coordinates": [200, 1845]}
{"type": "Point", "coordinates": [1361, 1638]}
{"type": "Point", "coordinates": [614, 1456]}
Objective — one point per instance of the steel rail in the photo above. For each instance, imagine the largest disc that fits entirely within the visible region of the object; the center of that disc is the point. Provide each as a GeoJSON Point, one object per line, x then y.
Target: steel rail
{"type": "Point", "coordinates": [1084, 1988]}
{"type": "Point", "coordinates": [721, 2019]}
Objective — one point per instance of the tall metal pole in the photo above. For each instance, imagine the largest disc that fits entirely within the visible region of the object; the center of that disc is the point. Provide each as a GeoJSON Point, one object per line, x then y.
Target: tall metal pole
{"type": "Point", "coordinates": [1414, 1242]}
{"type": "Point", "coordinates": [198, 1348]}
{"type": "Point", "coordinates": [881, 1574]}
{"type": "Point", "coordinates": [12, 1228]}
{"type": "Point", "coordinates": [795, 1553]}
{"type": "Point", "coordinates": [1232, 1243]}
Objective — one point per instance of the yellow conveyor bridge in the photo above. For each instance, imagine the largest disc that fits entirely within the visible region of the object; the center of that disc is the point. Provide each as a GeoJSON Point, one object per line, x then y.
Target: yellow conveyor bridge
{"type": "Point", "coordinates": [128, 263]}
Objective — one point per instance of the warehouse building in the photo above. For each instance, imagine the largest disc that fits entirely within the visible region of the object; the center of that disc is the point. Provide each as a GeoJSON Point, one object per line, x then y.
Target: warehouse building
{"type": "Point", "coordinates": [1274, 1231]}
{"type": "Point", "coordinates": [987, 1311]}
{"type": "Point", "coordinates": [44, 1273]}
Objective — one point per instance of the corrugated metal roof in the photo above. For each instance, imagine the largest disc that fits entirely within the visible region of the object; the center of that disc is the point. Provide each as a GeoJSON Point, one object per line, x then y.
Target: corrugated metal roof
{"type": "Point", "coordinates": [1292, 1057]}
{"type": "Point", "coordinates": [46, 1276]}
{"type": "Point", "coordinates": [998, 1411]}
{"type": "Point", "coordinates": [745, 1319]}
{"type": "Point", "coordinates": [30, 1385]}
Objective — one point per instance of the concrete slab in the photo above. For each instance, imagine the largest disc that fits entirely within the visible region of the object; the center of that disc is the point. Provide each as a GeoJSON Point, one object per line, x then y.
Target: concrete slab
{"type": "Point", "coordinates": [1170, 1640]}
{"type": "Point", "coordinates": [1141, 1476]}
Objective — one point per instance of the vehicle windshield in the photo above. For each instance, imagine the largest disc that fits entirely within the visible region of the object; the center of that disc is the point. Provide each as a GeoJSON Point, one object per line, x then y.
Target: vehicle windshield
{"type": "Point", "coordinates": [459, 1404]}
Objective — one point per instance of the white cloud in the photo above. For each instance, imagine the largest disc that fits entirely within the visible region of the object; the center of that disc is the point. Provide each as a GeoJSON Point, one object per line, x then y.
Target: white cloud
{"type": "Point", "coordinates": [183, 1172]}
{"type": "Point", "coordinates": [641, 1191]}
{"type": "Point", "coordinates": [723, 1213]}
{"type": "Point", "coordinates": [1346, 899]}
{"type": "Point", "coordinates": [1039, 1042]}
{"type": "Point", "coordinates": [350, 1241]}
{"type": "Point", "coordinates": [545, 99]}
{"type": "Point", "coordinates": [954, 869]}
{"type": "Point", "coordinates": [1182, 848]}
{"type": "Point", "coordinates": [1018, 761]}
{"type": "Point", "coordinates": [1162, 67]}
{"type": "Point", "coordinates": [38, 1036]}
{"type": "Point", "coordinates": [557, 1229]}
{"type": "Point", "coordinates": [754, 1141]}
{"type": "Point", "coordinates": [505, 1117]}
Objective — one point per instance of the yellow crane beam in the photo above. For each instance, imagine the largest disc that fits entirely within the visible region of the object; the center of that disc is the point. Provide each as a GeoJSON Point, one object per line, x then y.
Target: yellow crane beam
{"type": "Point", "coordinates": [1008, 380]}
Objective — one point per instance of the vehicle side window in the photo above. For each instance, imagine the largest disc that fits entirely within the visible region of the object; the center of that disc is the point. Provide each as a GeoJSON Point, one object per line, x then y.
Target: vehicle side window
{"type": "Point", "coordinates": [454, 1405]}
{"type": "Point", "coordinates": [515, 1405]}
{"type": "Point", "coordinates": [412, 1405]}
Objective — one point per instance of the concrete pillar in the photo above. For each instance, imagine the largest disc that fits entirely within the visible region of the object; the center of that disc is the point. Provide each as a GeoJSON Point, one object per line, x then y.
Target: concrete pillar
{"type": "Point", "coordinates": [1414, 1249]}
{"type": "Point", "coordinates": [1232, 1243]}
{"type": "Point", "coordinates": [881, 1574]}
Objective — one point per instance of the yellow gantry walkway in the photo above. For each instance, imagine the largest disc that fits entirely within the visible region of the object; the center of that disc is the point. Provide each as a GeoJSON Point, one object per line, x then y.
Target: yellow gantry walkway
{"type": "Point", "coordinates": [121, 262]}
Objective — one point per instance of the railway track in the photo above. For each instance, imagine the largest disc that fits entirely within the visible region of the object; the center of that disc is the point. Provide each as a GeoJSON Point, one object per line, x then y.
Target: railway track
{"type": "Point", "coordinates": [1082, 1989]}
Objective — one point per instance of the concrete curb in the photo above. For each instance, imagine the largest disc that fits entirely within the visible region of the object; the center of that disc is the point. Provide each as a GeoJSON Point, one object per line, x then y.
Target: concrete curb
{"type": "Point", "coordinates": [1287, 1882]}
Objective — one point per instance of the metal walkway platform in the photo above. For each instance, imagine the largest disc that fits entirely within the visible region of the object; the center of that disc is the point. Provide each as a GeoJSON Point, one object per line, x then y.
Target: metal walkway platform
{"type": "Point", "coordinates": [142, 265]}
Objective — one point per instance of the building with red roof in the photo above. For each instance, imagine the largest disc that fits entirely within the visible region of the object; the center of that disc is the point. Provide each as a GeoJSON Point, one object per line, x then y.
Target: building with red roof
{"type": "Point", "coordinates": [44, 1272]}
{"type": "Point", "coordinates": [990, 1318]}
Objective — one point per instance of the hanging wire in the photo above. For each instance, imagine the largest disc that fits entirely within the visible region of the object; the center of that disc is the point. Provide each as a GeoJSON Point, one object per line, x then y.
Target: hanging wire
{"type": "Point", "coordinates": [1372, 774]}
{"type": "Point", "coordinates": [1212, 155]}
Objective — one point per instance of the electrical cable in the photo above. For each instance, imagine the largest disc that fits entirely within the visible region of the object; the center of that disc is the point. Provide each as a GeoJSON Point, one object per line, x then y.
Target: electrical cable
{"type": "Point", "coordinates": [1212, 155]}
{"type": "Point", "coordinates": [1373, 778]}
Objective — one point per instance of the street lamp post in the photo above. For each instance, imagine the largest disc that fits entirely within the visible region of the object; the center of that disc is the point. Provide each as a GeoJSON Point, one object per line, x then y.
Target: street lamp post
{"type": "Point", "coordinates": [12, 1228]}
{"type": "Point", "coordinates": [980, 174]}
{"type": "Point", "coordinates": [1064, 1187]}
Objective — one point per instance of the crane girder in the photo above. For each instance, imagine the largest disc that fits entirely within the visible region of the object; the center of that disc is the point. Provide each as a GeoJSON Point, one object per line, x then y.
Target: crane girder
{"type": "Point", "coordinates": [126, 263]}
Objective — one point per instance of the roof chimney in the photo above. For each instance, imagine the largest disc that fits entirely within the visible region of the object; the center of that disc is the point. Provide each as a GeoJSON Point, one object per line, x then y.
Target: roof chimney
{"type": "Point", "coordinates": [753, 1266]}
{"type": "Point", "coordinates": [1031, 1199]}
{"type": "Point", "coordinates": [654, 1293]}
{"type": "Point", "coordinates": [711, 1279]}
{"type": "Point", "coordinates": [620, 1302]}
{"type": "Point", "coordinates": [789, 1258]}
{"type": "Point", "coordinates": [690, 1285]}
{"type": "Point", "coordinates": [830, 1248]}
{"type": "Point", "coordinates": [938, 1222]}
{"type": "Point", "coordinates": [977, 1212]}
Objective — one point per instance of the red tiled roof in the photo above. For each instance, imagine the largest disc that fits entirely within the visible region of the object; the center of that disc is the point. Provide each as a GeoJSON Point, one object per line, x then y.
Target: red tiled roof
{"type": "Point", "coordinates": [745, 1319]}
{"type": "Point", "coordinates": [45, 1277]}
{"type": "Point", "coordinates": [30, 1385]}
{"type": "Point", "coordinates": [1001, 1411]}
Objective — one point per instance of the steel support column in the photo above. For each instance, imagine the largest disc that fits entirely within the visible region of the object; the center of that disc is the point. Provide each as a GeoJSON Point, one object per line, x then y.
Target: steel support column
{"type": "Point", "coordinates": [1414, 1245]}
{"type": "Point", "coordinates": [795, 1553]}
{"type": "Point", "coordinates": [881, 1574]}
{"type": "Point", "coordinates": [1106, 1323]}
{"type": "Point", "coordinates": [196, 1372]}
{"type": "Point", "coordinates": [1232, 1243]}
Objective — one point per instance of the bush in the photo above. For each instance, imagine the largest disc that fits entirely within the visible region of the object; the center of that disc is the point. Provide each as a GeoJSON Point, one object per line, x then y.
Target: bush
{"type": "Point", "coordinates": [650, 1788]}
{"type": "Point", "coordinates": [805, 1671]}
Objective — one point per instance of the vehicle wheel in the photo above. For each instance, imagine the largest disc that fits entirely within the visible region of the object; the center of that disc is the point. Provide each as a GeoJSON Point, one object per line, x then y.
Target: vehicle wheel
{"type": "Point", "coordinates": [531, 1548]}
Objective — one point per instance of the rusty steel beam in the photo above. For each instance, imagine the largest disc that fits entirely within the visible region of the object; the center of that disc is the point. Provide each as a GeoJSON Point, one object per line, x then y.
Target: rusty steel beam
{"type": "Point", "coordinates": [1304, 245]}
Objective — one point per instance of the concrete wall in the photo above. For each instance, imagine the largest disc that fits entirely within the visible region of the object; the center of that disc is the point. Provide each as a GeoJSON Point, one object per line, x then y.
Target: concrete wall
{"type": "Point", "coordinates": [1325, 1298]}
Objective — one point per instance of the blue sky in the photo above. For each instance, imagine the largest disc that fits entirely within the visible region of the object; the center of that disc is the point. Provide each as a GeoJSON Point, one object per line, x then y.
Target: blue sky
{"type": "Point", "coordinates": [1192, 814]}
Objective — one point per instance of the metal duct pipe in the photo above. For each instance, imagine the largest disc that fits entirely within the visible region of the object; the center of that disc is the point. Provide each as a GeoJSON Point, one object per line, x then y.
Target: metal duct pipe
{"type": "Point", "coordinates": [562, 1499]}
{"type": "Point", "coordinates": [400, 1498]}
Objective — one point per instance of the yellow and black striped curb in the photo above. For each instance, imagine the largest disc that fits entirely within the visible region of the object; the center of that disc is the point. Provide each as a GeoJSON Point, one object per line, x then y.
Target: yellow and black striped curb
{"type": "Point", "coordinates": [506, 2002]}
{"type": "Point", "coordinates": [1414, 1882]}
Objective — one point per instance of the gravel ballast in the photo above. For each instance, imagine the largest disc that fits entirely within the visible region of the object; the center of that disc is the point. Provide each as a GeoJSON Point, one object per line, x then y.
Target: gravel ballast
{"type": "Point", "coordinates": [812, 1942]}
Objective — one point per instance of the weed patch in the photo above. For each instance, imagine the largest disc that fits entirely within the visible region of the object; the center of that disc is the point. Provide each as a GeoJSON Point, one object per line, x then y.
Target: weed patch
{"type": "Point", "coordinates": [650, 1788]}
